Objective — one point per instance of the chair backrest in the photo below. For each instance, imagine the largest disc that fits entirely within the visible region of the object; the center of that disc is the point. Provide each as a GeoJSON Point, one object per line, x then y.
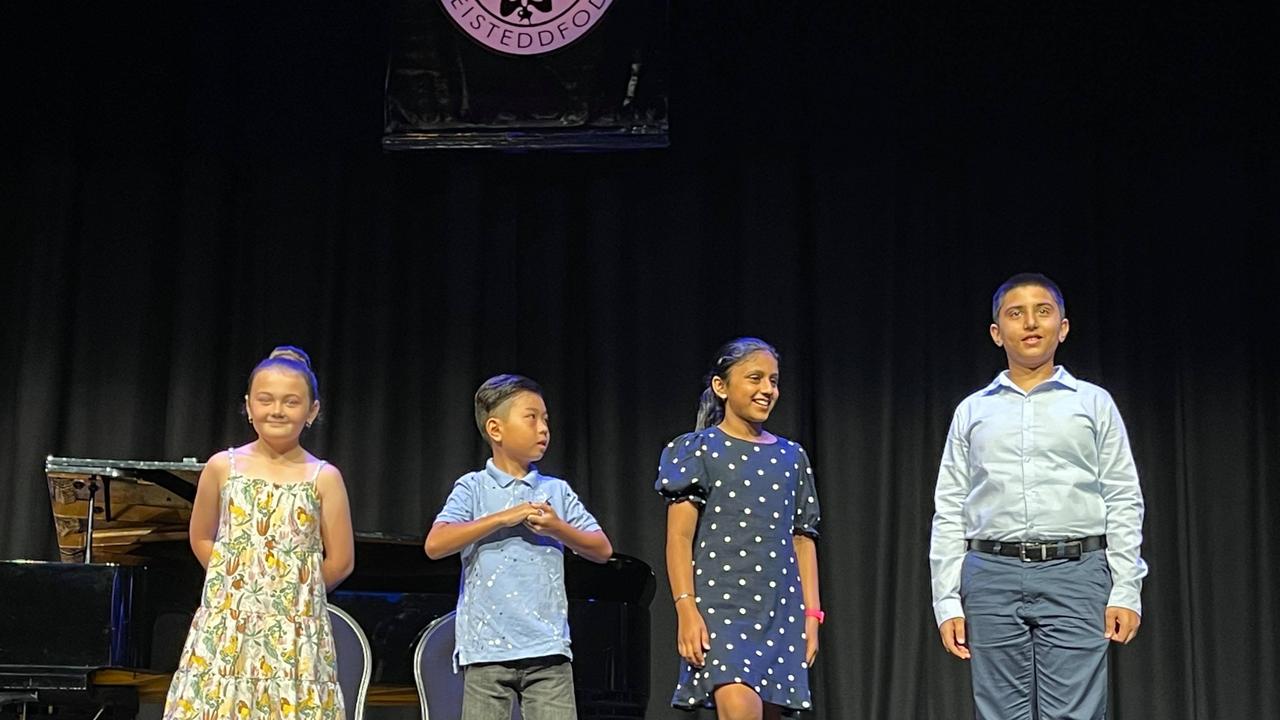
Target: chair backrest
{"type": "Point", "coordinates": [355, 661]}
{"type": "Point", "coordinates": [439, 687]}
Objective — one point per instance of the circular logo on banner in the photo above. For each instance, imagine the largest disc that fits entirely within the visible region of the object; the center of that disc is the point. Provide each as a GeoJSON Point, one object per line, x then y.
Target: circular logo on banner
{"type": "Point", "coordinates": [526, 27]}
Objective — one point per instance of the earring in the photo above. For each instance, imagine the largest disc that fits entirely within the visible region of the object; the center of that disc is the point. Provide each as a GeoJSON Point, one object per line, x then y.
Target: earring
{"type": "Point", "coordinates": [250, 421]}
{"type": "Point", "coordinates": [308, 423]}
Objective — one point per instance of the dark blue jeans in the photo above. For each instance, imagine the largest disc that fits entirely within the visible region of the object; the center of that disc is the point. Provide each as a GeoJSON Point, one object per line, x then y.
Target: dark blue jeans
{"type": "Point", "coordinates": [542, 687]}
{"type": "Point", "coordinates": [1035, 631]}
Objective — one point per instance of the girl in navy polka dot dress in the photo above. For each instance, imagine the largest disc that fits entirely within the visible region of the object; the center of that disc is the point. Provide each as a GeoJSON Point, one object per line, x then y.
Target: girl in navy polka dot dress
{"type": "Point", "coordinates": [741, 522]}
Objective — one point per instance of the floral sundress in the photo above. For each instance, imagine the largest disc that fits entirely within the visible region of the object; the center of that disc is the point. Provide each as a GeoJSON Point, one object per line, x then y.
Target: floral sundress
{"type": "Point", "coordinates": [261, 645]}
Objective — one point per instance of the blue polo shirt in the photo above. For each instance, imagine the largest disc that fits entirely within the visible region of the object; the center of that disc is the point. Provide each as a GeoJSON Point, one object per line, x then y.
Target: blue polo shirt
{"type": "Point", "coordinates": [512, 604]}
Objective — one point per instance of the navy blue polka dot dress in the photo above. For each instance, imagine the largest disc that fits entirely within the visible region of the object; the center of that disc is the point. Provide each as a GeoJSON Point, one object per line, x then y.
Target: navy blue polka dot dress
{"type": "Point", "coordinates": [752, 497]}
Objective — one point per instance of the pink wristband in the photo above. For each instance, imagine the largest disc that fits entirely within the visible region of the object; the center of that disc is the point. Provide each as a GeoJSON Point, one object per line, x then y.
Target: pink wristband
{"type": "Point", "coordinates": [811, 613]}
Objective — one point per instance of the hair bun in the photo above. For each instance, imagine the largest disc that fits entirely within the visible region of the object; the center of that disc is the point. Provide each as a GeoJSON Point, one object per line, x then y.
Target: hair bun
{"type": "Point", "coordinates": [291, 352]}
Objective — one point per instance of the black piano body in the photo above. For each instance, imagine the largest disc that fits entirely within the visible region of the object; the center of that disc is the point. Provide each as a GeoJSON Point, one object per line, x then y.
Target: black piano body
{"type": "Point", "coordinates": [93, 640]}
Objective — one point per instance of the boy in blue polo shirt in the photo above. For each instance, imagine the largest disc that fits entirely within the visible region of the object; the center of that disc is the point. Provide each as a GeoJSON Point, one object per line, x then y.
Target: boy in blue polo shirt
{"type": "Point", "coordinates": [511, 524]}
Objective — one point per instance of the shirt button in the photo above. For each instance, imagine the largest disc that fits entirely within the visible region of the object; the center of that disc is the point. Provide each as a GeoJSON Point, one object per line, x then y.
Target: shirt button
{"type": "Point", "coordinates": [1026, 459]}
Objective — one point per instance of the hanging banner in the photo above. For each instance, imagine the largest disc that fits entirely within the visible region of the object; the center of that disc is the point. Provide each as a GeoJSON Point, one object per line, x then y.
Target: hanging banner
{"type": "Point", "coordinates": [525, 27]}
{"type": "Point", "coordinates": [527, 74]}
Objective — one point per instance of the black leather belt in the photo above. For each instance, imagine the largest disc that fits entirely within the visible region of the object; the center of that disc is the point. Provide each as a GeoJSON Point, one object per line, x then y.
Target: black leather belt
{"type": "Point", "coordinates": [1042, 550]}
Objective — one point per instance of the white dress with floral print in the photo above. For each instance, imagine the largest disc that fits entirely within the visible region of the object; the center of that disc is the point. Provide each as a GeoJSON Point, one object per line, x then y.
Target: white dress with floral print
{"type": "Point", "coordinates": [261, 645]}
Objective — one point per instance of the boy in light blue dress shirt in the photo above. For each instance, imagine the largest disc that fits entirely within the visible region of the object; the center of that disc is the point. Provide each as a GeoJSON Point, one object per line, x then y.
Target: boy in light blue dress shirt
{"type": "Point", "coordinates": [1035, 553]}
{"type": "Point", "coordinates": [511, 524]}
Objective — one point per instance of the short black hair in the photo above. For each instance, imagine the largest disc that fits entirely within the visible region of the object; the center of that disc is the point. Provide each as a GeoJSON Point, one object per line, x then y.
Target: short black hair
{"type": "Point", "coordinates": [497, 390]}
{"type": "Point", "coordinates": [1021, 280]}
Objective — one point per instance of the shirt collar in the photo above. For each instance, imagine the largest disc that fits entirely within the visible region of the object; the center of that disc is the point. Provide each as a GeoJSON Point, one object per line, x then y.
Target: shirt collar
{"type": "Point", "coordinates": [505, 479]}
{"type": "Point", "coordinates": [1059, 377]}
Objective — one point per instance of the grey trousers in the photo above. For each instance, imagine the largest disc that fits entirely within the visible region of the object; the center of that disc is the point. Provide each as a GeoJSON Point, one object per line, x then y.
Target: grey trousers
{"type": "Point", "coordinates": [1035, 631]}
{"type": "Point", "coordinates": [543, 688]}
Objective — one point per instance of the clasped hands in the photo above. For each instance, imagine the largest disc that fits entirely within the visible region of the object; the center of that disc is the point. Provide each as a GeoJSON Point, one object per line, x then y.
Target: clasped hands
{"type": "Point", "coordinates": [539, 517]}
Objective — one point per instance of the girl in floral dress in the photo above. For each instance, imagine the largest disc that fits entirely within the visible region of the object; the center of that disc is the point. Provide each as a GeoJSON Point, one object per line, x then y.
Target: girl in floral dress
{"type": "Point", "coordinates": [272, 526]}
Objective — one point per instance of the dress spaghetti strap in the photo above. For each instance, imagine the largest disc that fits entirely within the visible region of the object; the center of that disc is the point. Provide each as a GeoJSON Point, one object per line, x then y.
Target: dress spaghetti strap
{"type": "Point", "coordinates": [316, 474]}
{"type": "Point", "coordinates": [231, 456]}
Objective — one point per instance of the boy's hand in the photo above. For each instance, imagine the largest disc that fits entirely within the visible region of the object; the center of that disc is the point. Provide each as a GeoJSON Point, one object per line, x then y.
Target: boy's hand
{"type": "Point", "coordinates": [952, 632]}
{"type": "Point", "coordinates": [543, 520]}
{"type": "Point", "coordinates": [517, 514]}
{"type": "Point", "coordinates": [1121, 624]}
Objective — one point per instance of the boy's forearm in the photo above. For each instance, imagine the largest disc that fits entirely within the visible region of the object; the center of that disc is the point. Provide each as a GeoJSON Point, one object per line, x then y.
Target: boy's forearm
{"type": "Point", "coordinates": [594, 545]}
{"type": "Point", "coordinates": [447, 538]}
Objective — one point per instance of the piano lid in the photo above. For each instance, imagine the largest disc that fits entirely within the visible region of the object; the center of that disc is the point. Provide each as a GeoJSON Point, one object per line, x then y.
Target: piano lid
{"type": "Point", "coordinates": [138, 503]}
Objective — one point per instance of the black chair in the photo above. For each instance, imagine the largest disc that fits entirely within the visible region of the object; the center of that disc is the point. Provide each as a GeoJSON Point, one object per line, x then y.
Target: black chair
{"type": "Point", "coordinates": [355, 661]}
{"type": "Point", "coordinates": [439, 687]}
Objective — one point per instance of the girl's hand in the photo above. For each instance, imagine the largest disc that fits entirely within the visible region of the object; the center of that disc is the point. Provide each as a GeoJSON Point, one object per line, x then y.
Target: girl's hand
{"type": "Point", "coordinates": [811, 626]}
{"type": "Point", "coordinates": [692, 641]}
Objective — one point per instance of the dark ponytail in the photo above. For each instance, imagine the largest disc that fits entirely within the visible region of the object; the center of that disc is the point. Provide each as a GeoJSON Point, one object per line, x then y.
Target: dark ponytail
{"type": "Point", "coordinates": [710, 406]}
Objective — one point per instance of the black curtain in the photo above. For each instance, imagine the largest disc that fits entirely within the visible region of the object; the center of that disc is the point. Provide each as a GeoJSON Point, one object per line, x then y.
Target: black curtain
{"type": "Point", "coordinates": [187, 185]}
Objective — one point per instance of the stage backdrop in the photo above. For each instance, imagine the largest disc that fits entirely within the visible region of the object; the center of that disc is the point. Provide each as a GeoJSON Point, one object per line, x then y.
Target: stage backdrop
{"type": "Point", "coordinates": [186, 186]}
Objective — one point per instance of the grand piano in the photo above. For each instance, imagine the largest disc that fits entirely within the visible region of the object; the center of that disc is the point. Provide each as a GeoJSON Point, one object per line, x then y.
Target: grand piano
{"type": "Point", "coordinates": [100, 630]}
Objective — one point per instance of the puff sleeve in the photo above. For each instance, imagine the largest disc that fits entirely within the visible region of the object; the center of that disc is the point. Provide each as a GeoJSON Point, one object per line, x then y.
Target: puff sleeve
{"type": "Point", "coordinates": [682, 474]}
{"type": "Point", "coordinates": [807, 513]}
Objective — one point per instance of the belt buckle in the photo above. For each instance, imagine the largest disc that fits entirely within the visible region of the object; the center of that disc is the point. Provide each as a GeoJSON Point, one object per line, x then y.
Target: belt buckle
{"type": "Point", "coordinates": [1042, 547]}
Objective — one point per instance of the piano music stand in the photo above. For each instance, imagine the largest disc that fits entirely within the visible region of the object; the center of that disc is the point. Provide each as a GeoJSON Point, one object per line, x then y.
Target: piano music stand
{"type": "Point", "coordinates": [92, 484]}
{"type": "Point", "coordinates": [155, 504]}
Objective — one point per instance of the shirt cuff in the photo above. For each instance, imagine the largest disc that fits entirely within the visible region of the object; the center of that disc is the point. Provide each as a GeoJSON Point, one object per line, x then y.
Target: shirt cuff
{"type": "Point", "coordinates": [1125, 598]}
{"type": "Point", "coordinates": [944, 610]}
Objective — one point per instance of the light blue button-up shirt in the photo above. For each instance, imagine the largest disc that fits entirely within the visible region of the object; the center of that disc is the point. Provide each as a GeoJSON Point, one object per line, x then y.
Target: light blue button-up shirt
{"type": "Point", "coordinates": [511, 603]}
{"type": "Point", "coordinates": [1050, 464]}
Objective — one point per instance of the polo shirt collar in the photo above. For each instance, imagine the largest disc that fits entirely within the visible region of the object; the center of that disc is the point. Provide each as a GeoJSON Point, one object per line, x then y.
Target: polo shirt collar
{"type": "Point", "coordinates": [505, 479]}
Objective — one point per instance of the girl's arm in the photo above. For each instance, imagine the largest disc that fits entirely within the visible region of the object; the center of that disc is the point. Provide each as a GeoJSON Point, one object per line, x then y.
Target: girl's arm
{"type": "Point", "coordinates": [335, 528]}
{"type": "Point", "coordinates": [807, 560]}
{"type": "Point", "coordinates": [692, 640]}
{"type": "Point", "coordinates": [204, 511]}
